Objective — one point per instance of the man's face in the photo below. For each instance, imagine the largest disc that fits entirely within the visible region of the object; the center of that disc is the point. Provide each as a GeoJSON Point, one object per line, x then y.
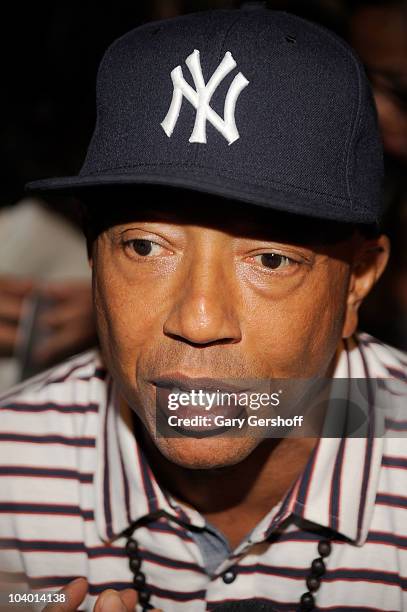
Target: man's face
{"type": "Point", "coordinates": [217, 291]}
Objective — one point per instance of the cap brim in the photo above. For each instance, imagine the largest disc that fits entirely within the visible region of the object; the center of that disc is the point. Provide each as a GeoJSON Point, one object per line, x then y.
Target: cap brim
{"type": "Point", "coordinates": [226, 187]}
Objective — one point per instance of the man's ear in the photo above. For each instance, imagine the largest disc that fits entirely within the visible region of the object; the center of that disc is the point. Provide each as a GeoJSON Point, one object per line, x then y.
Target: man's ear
{"type": "Point", "coordinates": [369, 262]}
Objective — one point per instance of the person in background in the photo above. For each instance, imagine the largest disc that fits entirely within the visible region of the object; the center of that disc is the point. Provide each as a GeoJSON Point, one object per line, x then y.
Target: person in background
{"type": "Point", "coordinates": [44, 275]}
{"type": "Point", "coordinates": [378, 33]}
{"type": "Point", "coordinates": [46, 311]}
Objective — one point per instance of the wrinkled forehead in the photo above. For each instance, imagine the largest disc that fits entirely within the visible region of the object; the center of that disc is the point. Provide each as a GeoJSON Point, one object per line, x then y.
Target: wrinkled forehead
{"type": "Point", "coordinates": [107, 208]}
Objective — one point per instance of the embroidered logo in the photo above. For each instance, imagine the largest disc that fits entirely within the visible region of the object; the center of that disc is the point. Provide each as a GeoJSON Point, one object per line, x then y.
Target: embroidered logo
{"type": "Point", "coordinates": [200, 98]}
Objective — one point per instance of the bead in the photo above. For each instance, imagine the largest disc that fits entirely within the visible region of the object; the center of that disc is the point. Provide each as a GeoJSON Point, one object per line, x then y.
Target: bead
{"type": "Point", "coordinates": [139, 580]}
{"type": "Point", "coordinates": [229, 576]}
{"type": "Point", "coordinates": [131, 547]}
{"type": "Point", "coordinates": [307, 602]}
{"type": "Point", "coordinates": [135, 564]}
{"type": "Point", "coordinates": [324, 548]}
{"type": "Point", "coordinates": [318, 567]}
{"type": "Point", "coordinates": [143, 597]}
{"type": "Point", "coordinates": [313, 583]}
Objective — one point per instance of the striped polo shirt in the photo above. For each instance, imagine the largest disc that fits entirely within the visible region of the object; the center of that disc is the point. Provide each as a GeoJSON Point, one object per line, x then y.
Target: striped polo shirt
{"type": "Point", "coordinates": [73, 478]}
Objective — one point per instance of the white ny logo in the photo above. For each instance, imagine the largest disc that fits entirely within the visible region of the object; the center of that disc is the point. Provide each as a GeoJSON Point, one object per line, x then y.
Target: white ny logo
{"type": "Point", "coordinates": [201, 97]}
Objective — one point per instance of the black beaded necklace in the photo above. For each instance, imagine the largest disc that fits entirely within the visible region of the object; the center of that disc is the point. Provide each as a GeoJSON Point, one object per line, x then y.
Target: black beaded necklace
{"type": "Point", "coordinates": [306, 603]}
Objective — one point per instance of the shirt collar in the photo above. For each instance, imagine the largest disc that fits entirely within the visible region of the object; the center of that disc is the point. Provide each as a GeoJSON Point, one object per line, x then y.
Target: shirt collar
{"type": "Point", "coordinates": [336, 490]}
{"type": "Point", "coordinates": [126, 488]}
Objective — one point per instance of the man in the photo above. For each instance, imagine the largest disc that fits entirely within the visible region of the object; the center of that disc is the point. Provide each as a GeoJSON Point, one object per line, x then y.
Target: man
{"type": "Point", "coordinates": [232, 193]}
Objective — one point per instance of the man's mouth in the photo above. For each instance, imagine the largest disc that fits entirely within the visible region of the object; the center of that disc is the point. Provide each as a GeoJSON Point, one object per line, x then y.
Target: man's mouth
{"type": "Point", "coordinates": [196, 401]}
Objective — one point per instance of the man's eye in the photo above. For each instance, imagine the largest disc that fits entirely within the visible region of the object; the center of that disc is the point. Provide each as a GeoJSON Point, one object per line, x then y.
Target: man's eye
{"type": "Point", "coordinates": [274, 261]}
{"type": "Point", "coordinates": [144, 247]}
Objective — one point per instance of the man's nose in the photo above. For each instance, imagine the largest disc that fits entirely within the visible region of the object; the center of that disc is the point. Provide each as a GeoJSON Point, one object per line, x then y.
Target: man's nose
{"type": "Point", "coordinates": [205, 309]}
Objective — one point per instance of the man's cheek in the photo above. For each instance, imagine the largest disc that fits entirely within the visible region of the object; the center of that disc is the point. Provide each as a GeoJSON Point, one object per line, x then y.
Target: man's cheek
{"type": "Point", "coordinates": [301, 333]}
{"type": "Point", "coordinates": [319, 327]}
{"type": "Point", "coordinates": [127, 322]}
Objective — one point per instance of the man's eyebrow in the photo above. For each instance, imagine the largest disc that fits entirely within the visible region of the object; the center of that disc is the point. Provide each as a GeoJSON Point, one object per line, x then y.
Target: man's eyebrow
{"type": "Point", "coordinates": [235, 218]}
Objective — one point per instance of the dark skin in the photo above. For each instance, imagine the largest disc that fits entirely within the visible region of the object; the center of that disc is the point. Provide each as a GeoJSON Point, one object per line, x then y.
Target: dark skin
{"type": "Point", "coordinates": [245, 499]}
{"type": "Point", "coordinates": [224, 291]}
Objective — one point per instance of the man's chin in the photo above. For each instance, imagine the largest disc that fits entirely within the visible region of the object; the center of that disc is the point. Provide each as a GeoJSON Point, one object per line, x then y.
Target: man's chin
{"type": "Point", "coordinates": [206, 453]}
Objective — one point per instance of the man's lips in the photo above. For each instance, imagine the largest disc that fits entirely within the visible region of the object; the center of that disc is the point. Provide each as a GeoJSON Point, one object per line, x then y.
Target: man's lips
{"type": "Point", "coordinates": [204, 383]}
{"type": "Point", "coordinates": [180, 384]}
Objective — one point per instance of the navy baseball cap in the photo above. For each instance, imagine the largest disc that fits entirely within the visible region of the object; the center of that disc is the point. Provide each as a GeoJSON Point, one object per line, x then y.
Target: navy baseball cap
{"type": "Point", "coordinates": [257, 106]}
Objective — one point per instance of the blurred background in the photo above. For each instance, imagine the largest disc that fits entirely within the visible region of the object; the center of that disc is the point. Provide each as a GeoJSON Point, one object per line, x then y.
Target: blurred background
{"type": "Point", "coordinates": [50, 54]}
